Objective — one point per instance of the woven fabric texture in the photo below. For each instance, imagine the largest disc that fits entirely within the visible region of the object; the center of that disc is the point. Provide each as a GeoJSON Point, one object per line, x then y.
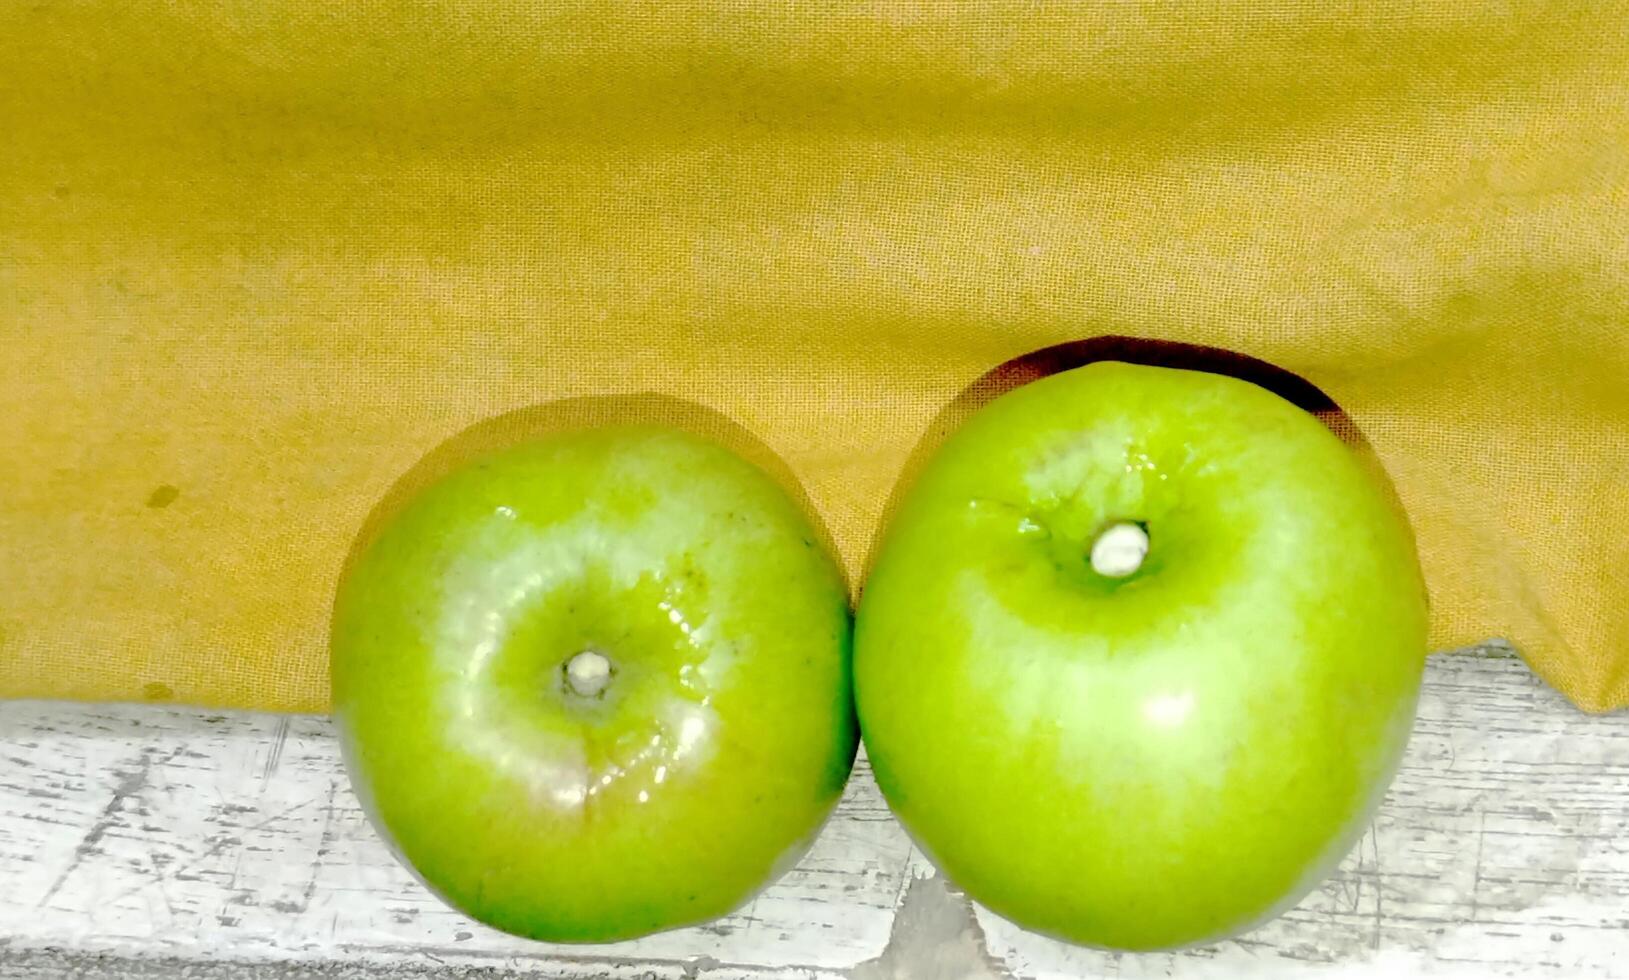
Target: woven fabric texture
{"type": "Point", "coordinates": [257, 260]}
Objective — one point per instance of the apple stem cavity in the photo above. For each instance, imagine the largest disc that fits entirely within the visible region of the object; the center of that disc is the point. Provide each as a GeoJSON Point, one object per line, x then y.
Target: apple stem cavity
{"type": "Point", "coordinates": [1120, 549]}
{"type": "Point", "coordinates": [588, 673]}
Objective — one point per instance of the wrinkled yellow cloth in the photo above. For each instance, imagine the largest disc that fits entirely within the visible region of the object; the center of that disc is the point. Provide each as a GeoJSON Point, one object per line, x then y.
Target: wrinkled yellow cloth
{"type": "Point", "coordinates": [259, 259]}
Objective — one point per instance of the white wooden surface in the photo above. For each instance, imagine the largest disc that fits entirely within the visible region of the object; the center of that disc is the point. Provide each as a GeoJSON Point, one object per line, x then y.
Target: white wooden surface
{"type": "Point", "coordinates": [158, 842]}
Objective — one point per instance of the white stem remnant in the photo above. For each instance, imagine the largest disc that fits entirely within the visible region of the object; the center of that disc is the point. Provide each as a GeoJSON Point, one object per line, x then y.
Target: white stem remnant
{"type": "Point", "coordinates": [1119, 551]}
{"type": "Point", "coordinates": [588, 673]}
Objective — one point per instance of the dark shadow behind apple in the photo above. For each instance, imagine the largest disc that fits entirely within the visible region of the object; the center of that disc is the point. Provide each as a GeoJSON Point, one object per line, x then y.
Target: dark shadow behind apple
{"type": "Point", "coordinates": [590, 411]}
{"type": "Point", "coordinates": [1046, 361]}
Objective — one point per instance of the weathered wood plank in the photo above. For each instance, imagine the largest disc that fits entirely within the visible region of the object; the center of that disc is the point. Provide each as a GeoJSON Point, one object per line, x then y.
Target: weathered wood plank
{"type": "Point", "coordinates": [229, 840]}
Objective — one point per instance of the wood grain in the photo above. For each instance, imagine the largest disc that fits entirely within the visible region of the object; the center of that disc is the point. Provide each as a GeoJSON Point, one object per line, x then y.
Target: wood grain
{"type": "Point", "coordinates": [135, 840]}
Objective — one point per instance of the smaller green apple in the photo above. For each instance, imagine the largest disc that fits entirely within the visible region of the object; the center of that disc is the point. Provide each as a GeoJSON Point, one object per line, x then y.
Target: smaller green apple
{"type": "Point", "coordinates": [597, 685]}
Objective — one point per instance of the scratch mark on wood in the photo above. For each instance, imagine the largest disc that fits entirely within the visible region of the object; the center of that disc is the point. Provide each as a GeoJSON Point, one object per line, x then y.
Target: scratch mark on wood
{"type": "Point", "coordinates": [127, 785]}
{"type": "Point", "coordinates": [1476, 875]}
{"type": "Point", "coordinates": [325, 842]}
{"type": "Point", "coordinates": [274, 755]}
{"type": "Point", "coordinates": [220, 843]}
{"type": "Point", "coordinates": [1379, 888]}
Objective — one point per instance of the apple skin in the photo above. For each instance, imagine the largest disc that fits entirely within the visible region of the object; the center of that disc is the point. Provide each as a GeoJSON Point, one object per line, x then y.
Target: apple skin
{"type": "Point", "coordinates": [705, 767]}
{"type": "Point", "coordinates": [1159, 760]}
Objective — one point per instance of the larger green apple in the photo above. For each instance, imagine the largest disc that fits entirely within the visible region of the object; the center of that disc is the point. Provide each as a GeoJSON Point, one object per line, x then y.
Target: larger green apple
{"type": "Point", "coordinates": [597, 685]}
{"type": "Point", "coordinates": [1139, 653]}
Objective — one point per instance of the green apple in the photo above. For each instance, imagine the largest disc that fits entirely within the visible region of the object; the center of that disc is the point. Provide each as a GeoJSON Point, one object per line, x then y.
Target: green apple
{"type": "Point", "coordinates": [1139, 654]}
{"type": "Point", "coordinates": [597, 685]}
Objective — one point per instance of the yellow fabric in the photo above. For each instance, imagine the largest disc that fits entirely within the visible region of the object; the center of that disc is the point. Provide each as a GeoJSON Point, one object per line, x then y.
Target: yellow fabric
{"type": "Point", "coordinates": [257, 259]}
